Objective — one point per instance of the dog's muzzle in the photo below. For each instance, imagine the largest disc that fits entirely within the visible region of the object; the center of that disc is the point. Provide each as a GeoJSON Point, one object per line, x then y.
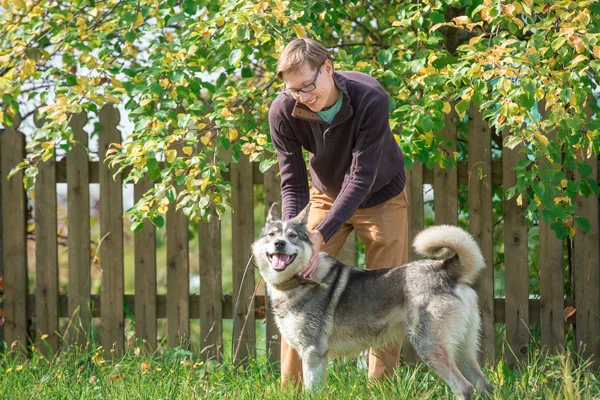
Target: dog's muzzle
{"type": "Point", "coordinates": [279, 261]}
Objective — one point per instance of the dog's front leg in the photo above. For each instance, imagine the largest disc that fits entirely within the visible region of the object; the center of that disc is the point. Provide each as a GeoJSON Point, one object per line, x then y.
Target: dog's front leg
{"type": "Point", "coordinates": [314, 367]}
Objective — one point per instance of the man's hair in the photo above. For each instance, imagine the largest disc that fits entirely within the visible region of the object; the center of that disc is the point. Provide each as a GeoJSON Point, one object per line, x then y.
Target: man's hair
{"type": "Point", "coordinates": [299, 52]}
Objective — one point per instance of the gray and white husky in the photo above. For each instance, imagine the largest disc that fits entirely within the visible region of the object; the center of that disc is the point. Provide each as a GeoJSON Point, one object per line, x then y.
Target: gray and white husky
{"type": "Point", "coordinates": [344, 310]}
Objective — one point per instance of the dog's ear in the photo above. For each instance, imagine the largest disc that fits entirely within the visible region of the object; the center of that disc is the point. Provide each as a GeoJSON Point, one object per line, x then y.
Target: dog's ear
{"type": "Point", "coordinates": [273, 213]}
{"type": "Point", "coordinates": [302, 217]}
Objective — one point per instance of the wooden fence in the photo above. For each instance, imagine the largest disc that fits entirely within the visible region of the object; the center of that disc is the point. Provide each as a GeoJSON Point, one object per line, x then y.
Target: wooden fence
{"type": "Point", "coordinates": [30, 312]}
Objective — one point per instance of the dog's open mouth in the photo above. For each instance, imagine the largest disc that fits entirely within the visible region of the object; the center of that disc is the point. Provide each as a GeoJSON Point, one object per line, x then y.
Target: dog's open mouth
{"type": "Point", "coordinates": [279, 261]}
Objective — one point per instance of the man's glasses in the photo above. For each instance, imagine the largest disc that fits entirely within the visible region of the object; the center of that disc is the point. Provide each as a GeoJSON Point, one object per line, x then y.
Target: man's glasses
{"type": "Point", "coordinates": [304, 89]}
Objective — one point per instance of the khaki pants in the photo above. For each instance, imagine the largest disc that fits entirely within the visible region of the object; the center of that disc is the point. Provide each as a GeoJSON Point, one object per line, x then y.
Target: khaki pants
{"type": "Point", "coordinates": [384, 231]}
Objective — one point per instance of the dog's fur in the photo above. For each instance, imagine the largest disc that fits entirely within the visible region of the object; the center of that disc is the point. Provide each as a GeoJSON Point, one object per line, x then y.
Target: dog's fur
{"type": "Point", "coordinates": [429, 301]}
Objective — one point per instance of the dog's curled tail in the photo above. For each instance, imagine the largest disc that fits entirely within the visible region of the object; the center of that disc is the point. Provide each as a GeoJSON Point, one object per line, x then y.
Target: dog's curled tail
{"type": "Point", "coordinates": [433, 242]}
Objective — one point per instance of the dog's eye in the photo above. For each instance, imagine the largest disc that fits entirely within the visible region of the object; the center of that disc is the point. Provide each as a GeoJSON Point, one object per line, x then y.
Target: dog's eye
{"type": "Point", "coordinates": [293, 235]}
{"type": "Point", "coordinates": [271, 234]}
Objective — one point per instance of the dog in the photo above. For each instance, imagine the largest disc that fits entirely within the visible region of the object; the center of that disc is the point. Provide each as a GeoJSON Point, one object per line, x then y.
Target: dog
{"type": "Point", "coordinates": [344, 310]}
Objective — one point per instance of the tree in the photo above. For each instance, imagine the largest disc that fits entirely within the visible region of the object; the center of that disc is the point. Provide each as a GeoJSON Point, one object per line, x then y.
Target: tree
{"type": "Point", "coordinates": [198, 78]}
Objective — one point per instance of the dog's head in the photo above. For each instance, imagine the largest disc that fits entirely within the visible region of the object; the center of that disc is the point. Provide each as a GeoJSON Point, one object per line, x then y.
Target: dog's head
{"type": "Point", "coordinates": [283, 248]}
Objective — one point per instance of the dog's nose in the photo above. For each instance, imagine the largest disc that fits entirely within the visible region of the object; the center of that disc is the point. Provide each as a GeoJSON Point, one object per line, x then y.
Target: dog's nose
{"type": "Point", "coordinates": [279, 244]}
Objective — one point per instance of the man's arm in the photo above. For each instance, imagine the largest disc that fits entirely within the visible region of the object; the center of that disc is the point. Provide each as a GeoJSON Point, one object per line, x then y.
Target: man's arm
{"type": "Point", "coordinates": [294, 178]}
{"type": "Point", "coordinates": [360, 177]}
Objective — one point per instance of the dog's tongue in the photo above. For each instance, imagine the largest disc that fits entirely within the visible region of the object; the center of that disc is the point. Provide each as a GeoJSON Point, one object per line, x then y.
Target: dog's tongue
{"type": "Point", "coordinates": [280, 261]}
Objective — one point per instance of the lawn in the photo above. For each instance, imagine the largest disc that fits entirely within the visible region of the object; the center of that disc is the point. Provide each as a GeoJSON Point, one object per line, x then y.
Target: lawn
{"type": "Point", "coordinates": [179, 374]}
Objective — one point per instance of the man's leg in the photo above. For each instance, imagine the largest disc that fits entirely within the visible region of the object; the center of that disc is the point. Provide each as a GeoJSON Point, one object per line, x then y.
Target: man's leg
{"type": "Point", "coordinates": [384, 231]}
{"type": "Point", "coordinates": [291, 364]}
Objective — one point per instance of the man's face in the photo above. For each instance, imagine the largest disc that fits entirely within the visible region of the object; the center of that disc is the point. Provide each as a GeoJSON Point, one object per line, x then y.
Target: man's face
{"type": "Point", "coordinates": [322, 95]}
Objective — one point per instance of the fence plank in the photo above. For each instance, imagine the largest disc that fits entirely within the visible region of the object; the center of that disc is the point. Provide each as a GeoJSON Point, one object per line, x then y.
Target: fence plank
{"type": "Point", "coordinates": [46, 257]}
{"type": "Point", "coordinates": [416, 223]}
{"type": "Point", "coordinates": [178, 278]}
{"type": "Point", "coordinates": [14, 216]}
{"type": "Point", "coordinates": [586, 264]}
{"type": "Point", "coordinates": [145, 275]}
{"type": "Point", "coordinates": [111, 232]}
{"type": "Point", "coordinates": [480, 222]}
{"type": "Point", "coordinates": [211, 288]}
{"type": "Point", "coordinates": [516, 274]}
{"type": "Point", "coordinates": [587, 278]}
{"type": "Point", "coordinates": [445, 182]}
{"type": "Point", "coordinates": [78, 213]}
{"type": "Point", "coordinates": [244, 333]}
{"type": "Point", "coordinates": [551, 278]}
{"type": "Point", "coordinates": [272, 192]}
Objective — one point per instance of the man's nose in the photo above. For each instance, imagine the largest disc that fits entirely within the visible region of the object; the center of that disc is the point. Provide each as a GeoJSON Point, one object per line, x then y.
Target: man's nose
{"type": "Point", "coordinates": [303, 96]}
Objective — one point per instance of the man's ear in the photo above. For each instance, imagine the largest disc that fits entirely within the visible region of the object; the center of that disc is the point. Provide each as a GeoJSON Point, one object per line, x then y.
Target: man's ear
{"type": "Point", "coordinates": [273, 213]}
{"type": "Point", "coordinates": [303, 216]}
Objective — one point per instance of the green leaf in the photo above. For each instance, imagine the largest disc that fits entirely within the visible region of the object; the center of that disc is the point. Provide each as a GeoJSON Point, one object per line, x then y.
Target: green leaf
{"type": "Point", "coordinates": [266, 164]}
{"type": "Point", "coordinates": [235, 57]}
{"type": "Point", "coordinates": [158, 221]}
{"type": "Point", "coordinates": [153, 169]}
{"type": "Point", "coordinates": [584, 224]}
{"type": "Point", "coordinates": [184, 121]}
{"type": "Point", "coordinates": [558, 42]}
{"type": "Point", "coordinates": [384, 57]}
{"type": "Point", "coordinates": [137, 226]}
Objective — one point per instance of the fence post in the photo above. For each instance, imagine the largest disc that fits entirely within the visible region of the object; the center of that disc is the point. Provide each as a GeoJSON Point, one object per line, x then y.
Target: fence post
{"type": "Point", "coordinates": [272, 192]}
{"type": "Point", "coordinates": [14, 217]}
{"type": "Point", "coordinates": [479, 178]}
{"type": "Point", "coordinates": [211, 288]}
{"type": "Point", "coordinates": [552, 293]}
{"type": "Point", "coordinates": [46, 257]}
{"type": "Point", "coordinates": [78, 216]}
{"type": "Point", "coordinates": [445, 180]}
{"type": "Point", "coordinates": [516, 264]}
{"type": "Point", "coordinates": [586, 264]}
{"type": "Point", "coordinates": [178, 277]}
{"type": "Point", "coordinates": [145, 275]}
{"type": "Point", "coordinates": [242, 220]}
{"type": "Point", "coordinates": [111, 233]}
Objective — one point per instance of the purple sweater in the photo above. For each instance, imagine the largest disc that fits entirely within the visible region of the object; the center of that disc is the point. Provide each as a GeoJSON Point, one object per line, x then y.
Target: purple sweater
{"type": "Point", "coordinates": [355, 160]}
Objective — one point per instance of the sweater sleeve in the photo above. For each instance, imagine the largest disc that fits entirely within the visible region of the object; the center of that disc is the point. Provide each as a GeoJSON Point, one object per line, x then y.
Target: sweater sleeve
{"type": "Point", "coordinates": [365, 161]}
{"type": "Point", "coordinates": [294, 178]}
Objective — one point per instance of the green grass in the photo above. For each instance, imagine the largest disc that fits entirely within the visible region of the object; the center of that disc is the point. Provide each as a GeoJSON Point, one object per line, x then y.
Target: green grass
{"type": "Point", "coordinates": [89, 373]}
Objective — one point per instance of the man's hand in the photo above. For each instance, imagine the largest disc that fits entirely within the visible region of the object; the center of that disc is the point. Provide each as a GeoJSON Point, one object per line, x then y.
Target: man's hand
{"type": "Point", "coordinates": [317, 240]}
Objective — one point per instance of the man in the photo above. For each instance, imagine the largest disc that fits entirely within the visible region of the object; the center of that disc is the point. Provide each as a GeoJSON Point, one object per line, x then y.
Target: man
{"type": "Point", "coordinates": [357, 170]}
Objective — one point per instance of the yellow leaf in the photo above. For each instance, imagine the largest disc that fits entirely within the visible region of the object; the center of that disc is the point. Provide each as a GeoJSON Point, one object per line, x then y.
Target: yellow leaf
{"type": "Point", "coordinates": [139, 19]}
{"type": "Point", "coordinates": [169, 37]}
{"type": "Point", "coordinates": [233, 134]}
{"type": "Point", "coordinates": [428, 137]}
{"type": "Point", "coordinates": [571, 231]}
{"type": "Point", "coordinates": [541, 137]}
{"type": "Point", "coordinates": [577, 60]}
{"type": "Point", "coordinates": [226, 113]}
{"type": "Point", "coordinates": [206, 138]}
{"type": "Point", "coordinates": [204, 184]}
{"type": "Point", "coordinates": [447, 108]}
{"type": "Point", "coordinates": [28, 69]}
{"type": "Point", "coordinates": [596, 51]}
{"type": "Point", "coordinates": [188, 150]}
{"type": "Point", "coordinates": [461, 20]}
{"type": "Point", "coordinates": [397, 23]}
{"type": "Point", "coordinates": [248, 148]}
{"type": "Point", "coordinates": [171, 155]}
{"type": "Point", "coordinates": [220, 21]}
{"type": "Point", "coordinates": [299, 29]}
{"type": "Point", "coordinates": [537, 199]}
{"type": "Point", "coordinates": [44, 336]}
{"type": "Point", "coordinates": [520, 200]}
{"type": "Point", "coordinates": [280, 6]}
